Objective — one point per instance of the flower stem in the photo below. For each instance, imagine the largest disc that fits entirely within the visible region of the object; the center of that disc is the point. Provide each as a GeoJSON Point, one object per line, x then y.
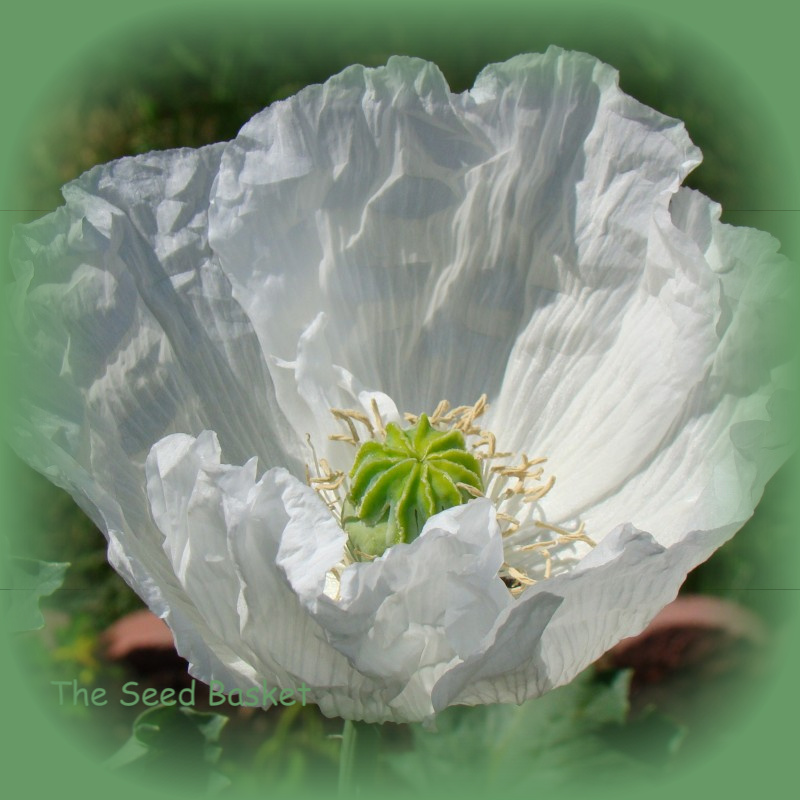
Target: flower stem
{"type": "Point", "coordinates": [358, 758]}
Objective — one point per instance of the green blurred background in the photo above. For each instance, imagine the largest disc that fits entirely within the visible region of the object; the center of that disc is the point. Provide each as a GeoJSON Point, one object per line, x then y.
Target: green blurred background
{"type": "Point", "coordinates": [193, 79]}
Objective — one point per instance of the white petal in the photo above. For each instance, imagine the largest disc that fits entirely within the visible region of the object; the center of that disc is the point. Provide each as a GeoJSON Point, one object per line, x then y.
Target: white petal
{"type": "Point", "coordinates": [561, 625]}
{"type": "Point", "coordinates": [429, 226]}
{"type": "Point", "coordinates": [401, 622]}
{"type": "Point", "coordinates": [123, 306]}
{"type": "Point", "coordinates": [309, 388]}
{"type": "Point", "coordinates": [206, 510]}
{"type": "Point", "coordinates": [125, 330]}
{"type": "Point", "coordinates": [188, 490]}
{"type": "Point", "coordinates": [418, 605]}
{"type": "Point", "coordinates": [375, 654]}
{"type": "Point", "coordinates": [707, 451]}
{"type": "Point", "coordinates": [407, 617]}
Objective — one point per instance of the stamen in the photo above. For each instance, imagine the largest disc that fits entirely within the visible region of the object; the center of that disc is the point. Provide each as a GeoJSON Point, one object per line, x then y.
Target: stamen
{"type": "Point", "coordinates": [379, 426]}
{"type": "Point", "coordinates": [538, 494]}
{"type": "Point", "coordinates": [568, 536]}
{"type": "Point", "coordinates": [519, 576]}
{"type": "Point", "coordinates": [487, 439]}
{"type": "Point", "coordinates": [488, 457]}
{"type": "Point", "coordinates": [513, 522]}
{"type": "Point", "coordinates": [439, 412]}
{"type": "Point", "coordinates": [548, 564]}
{"type": "Point", "coordinates": [313, 453]}
{"type": "Point", "coordinates": [358, 416]}
{"type": "Point", "coordinates": [328, 486]}
{"type": "Point", "coordinates": [346, 417]}
{"type": "Point", "coordinates": [360, 555]}
{"type": "Point", "coordinates": [537, 545]}
{"type": "Point", "coordinates": [343, 437]}
{"type": "Point", "coordinates": [326, 483]}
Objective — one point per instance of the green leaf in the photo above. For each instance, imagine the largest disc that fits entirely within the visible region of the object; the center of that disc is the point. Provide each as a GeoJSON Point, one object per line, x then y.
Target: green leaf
{"type": "Point", "coordinates": [28, 580]}
{"type": "Point", "coordinates": [175, 742]}
{"type": "Point", "coordinates": [564, 738]}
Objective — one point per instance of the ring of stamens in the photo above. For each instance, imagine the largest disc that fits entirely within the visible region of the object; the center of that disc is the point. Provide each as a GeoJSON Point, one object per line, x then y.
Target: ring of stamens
{"type": "Point", "coordinates": [515, 487]}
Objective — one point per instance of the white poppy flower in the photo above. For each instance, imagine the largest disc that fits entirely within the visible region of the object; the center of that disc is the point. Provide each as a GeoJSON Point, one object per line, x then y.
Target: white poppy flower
{"type": "Point", "coordinates": [195, 325]}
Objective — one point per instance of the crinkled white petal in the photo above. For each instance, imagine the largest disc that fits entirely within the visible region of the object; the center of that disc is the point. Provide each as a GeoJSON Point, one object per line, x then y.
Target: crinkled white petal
{"type": "Point", "coordinates": [277, 641]}
{"type": "Point", "coordinates": [188, 492]}
{"type": "Point", "coordinates": [426, 625]}
{"type": "Point", "coordinates": [432, 226]}
{"type": "Point", "coordinates": [419, 604]}
{"type": "Point", "coordinates": [123, 329]}
{"type": "Point", "coordinates": [643, 399]}
{"type": "Point", "coordinates": [252, 557]}
{"type": "Point", "coordinates": [575, 617]}
{"type": "Point", "coordinates": [311, 386]}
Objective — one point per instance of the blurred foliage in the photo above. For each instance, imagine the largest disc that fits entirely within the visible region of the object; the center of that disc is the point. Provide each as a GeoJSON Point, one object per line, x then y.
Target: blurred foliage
{"type": "Point", "coordinates": [56, 528]}
{"type": "Point", "coordinates": [758, 566]}
{"type": "Point", "coordinates": [175, 740]}
{"type": "Point", "coordinates": [571, 736]}
{"type": "Point", "coordinates": [25, 582]}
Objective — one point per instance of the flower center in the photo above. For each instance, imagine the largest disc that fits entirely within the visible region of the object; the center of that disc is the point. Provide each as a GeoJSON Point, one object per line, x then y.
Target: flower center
{"type": "Point", "coordinates": [403, 476]}
{"type": "Point", "coordinates": [398, 484]}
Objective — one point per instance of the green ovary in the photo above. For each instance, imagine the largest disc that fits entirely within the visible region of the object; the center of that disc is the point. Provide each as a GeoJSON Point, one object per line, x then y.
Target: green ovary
{"type": "Point", "coordinates": [398, 484]}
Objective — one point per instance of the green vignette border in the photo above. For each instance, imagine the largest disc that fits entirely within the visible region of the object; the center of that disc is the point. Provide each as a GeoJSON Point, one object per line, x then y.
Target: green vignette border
{"type": "Point", "coordinates": [759, 753]}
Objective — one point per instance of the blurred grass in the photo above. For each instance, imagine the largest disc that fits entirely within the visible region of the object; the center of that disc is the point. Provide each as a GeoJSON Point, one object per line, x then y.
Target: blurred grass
{"type": "Point", "coordinates": [189, 87]}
